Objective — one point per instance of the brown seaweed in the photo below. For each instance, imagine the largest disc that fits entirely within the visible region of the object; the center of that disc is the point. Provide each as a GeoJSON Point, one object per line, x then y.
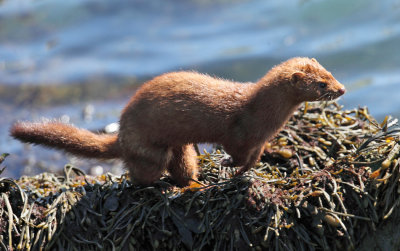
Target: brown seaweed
{"type": "Point", "coordinates": [325, 182]}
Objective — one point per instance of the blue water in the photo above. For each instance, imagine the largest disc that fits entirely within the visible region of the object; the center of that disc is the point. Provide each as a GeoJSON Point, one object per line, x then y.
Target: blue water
{"type": "Point", "coordinates": [45, 42]}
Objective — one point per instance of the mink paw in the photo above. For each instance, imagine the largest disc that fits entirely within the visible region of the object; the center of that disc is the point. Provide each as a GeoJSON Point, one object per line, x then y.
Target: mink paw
{"type": "Point", "coordinates": [227, 161]}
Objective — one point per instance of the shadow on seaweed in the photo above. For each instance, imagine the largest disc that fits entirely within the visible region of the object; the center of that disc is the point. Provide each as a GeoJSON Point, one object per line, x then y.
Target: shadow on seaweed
{"type": "Point", "coordinates": [117, 215]}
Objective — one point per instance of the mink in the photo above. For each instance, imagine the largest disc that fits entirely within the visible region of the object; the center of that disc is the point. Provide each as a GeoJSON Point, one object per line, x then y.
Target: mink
{"type": "Point", "coordinates": [173, 111]}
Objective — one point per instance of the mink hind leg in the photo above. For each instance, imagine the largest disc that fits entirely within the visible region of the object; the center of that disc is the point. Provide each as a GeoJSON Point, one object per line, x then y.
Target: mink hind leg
{"type": "Point", "coordinates": [147, 163]}
{"type": "Point", "coordinates": [183, 165]}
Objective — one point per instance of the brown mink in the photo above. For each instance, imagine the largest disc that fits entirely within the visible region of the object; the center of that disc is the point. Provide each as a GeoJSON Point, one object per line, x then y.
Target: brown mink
{"type": "Point", "coordinates": [171, 112]}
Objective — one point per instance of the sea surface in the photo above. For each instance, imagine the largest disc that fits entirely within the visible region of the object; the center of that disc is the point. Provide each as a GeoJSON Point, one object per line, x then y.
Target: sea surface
{"type": "Point", "coordinates": [80, 60]}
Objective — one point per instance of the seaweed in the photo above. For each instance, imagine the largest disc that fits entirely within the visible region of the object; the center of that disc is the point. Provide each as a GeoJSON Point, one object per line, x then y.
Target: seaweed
{"type": "Point", "coordinates": [327, 181]}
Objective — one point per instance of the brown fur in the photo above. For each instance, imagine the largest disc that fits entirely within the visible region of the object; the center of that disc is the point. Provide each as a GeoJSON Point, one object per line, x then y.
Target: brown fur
{"type": "Point", "coordinates": [172, 111]}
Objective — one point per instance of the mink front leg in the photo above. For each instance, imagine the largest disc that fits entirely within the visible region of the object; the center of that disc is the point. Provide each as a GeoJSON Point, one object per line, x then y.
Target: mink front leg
{"type": "Point", "coordinates": [252, 161]}
{"type": "Point", "coordinates": [238, 157]}
{"type": "Point", "coordinates": [245, 159]}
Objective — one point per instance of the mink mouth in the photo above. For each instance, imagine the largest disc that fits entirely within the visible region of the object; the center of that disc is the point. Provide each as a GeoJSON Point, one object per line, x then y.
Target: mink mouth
{"type": "Point", "coordinates": [329, 96]}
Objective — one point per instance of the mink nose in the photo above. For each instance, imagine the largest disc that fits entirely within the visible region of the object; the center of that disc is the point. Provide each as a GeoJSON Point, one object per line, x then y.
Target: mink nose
{"type": "Point", "coordinates": [342, 91]}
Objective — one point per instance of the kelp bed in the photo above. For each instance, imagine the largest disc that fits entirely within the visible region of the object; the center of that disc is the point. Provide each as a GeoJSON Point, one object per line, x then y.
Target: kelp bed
{"type": "Point", "coordinates": [326, 182]}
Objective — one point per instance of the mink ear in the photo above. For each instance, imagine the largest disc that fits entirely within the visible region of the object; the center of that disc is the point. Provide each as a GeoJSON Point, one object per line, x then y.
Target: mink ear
{"type": "Point", "coordinates": [297, 76]}
{"type": "Point", "coordinates": [313, 59]}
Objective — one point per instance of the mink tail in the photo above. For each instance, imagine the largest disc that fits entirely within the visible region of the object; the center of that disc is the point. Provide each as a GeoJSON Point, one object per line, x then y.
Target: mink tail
{"type": "Point", "coordinates": [71, 139]}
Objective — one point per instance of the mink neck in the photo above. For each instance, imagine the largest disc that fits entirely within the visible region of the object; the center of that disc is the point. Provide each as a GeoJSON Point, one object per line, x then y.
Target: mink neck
{"type": "Point", "coordinates": [272, 104]}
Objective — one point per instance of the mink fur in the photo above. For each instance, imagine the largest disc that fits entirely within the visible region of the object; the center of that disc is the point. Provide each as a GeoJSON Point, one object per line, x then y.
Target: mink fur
{"type": "Point", "coordinates": [171, 112]}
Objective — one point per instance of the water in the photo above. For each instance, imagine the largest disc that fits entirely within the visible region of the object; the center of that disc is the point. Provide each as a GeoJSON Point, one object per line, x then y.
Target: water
{"type": "Point", "coordinates": [58, 56]}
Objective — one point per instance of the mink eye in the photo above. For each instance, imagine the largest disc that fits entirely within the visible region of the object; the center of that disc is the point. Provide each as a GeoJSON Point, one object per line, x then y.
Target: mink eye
{"type": "Point", "coordinates": [322, 85]}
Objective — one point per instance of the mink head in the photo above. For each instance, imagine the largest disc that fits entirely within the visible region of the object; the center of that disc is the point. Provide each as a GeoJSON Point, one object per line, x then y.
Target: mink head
{"type": "Point", "coordinates": [305, 79]}
{"type": "Point", "coordinates": [310, 81]}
